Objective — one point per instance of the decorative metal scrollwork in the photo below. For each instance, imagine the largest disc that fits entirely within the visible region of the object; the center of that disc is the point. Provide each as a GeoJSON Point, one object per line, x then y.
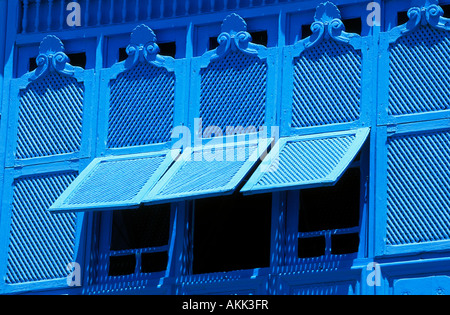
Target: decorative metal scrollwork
{"type": "Point", "coordinates": [52, 58]}
{"type": "Point", "coordinates": [234, 37]}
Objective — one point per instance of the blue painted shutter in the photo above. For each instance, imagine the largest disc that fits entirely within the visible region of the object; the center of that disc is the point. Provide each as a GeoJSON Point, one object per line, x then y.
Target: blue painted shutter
{"type": "Point", "coordinates": [306, 161]}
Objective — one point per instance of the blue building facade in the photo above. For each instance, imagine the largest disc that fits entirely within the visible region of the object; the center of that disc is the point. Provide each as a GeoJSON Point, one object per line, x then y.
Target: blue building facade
{"type": "Point", "coordinates": [225, 147]}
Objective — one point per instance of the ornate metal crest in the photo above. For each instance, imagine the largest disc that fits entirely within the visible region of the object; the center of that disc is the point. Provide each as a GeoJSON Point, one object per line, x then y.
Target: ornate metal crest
{"type": "Point", "coordinates": [328, 25]}
{"type": "Point", "coordinates": [52, 58]}
{"type": "Point", "coordinates": [424, 12]}
{"type": "Point", "coordinates": [234, 37]}
{"type": "Point", "coordinates": [143, 47]}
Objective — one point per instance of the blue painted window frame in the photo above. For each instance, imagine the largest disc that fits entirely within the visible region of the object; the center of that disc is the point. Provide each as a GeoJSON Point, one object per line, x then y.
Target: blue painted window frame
{"type": "Point", "coordinates": [293, 209]}
{"type": "Point", "coordinates": [102, 268]}
{"type": "Point", "coordinates": [86, 77]}
{"type": "Point", "coordinates": [363, 44]}
{"type": "Point", "coordinates": [386, 40]}
{"type": "Point", "coordinates": [268, 55]}
{"type": "Point", "coordinates": [176, 66]}
{"type": "Point", "coordinates": [384, 133]}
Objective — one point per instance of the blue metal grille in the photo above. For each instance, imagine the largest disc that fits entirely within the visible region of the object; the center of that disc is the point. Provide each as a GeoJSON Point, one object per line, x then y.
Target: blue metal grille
{"type": "Point", "coordinates": [50, 117]}
{"type": "Point", "coordinates": [327, 85]}
{"type": "Point", "coordinates": [418, 203]}
{"type": "Point", "coordinates": [420, 72]}
{"type": "Point", "coordinates": [141, 106]}
{"type": "Point", "coordinates": [233, 92]}
{"type": "Point", "coordinates": [41, 244]}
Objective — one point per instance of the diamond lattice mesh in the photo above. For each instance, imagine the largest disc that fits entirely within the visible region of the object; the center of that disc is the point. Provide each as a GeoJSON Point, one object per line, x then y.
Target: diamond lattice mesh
{"type": "Point", "coordinates": [141, 107]}
{"type": "Point", "coordinates": [327, 85]}
{"type": "Point", "coordinates": [420, 72]}
{"type": "Point", "coordinates": [50, 117]}
{"type": "Point", "coordinates": [418, 203]}
{"type": "Point", "coordinates": [233, 92]}
{"type": "Point", "coordinates": [308, 160]}
{"type": "Point", "coordinates": [41, 244]}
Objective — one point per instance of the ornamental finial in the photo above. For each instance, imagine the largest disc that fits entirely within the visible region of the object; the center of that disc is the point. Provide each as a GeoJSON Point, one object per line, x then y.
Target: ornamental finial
{"type": "Point", "coordinates": [52, 58]}
{"type": "Point", "coordinates": [142, 47]}
{"type": "Point", "coordinates": [234, 37]}
{"type": "Point", "coordinates": [327, 12]}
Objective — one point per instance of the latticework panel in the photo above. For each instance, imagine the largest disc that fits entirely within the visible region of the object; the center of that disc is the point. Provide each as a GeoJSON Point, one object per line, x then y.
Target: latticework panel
{"type": "Point", "coordinates": [50, 117]}
{"type": "Point", "coordinates": [41, 244]}
{"type": "Point", "coordinates": [418, 202]}
{"type": "Point", "coordinates": [305, 161]}
{"type": "Point", "coordinates": [141, 107]}
{"type": "Point", "coordinates": [115, 181]}
{"type": "Point", "coordinates": [420, 72]}
{"type": "Point", "coordinates": [233, 92]}
{"type": "Point", "coordinates": [327, 85]}
{"type": "Point", "coordinates": [208, 175]}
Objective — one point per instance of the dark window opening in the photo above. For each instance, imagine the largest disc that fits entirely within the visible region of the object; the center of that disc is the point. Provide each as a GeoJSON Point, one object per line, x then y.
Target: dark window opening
{"type": "Point", "coordinates": [122, 54]}
{"type": "Point", "coordinates": [353, 25]}
{"type": "Point", "coordinates": [311, 247]}
{"type": "Point", "coordinates": [232, 233]}
{"type": "Point", "coordinates": [344, 244]}
{"type": "Point", "coordinates": [329, 208]}
{"type": "Point", "coordinates": [358, 157]}
{"type": "Point", "coordinates": [78, 60]}
{"type": "Point", "coordinates": [213, 44]}
{"type": "Point", "coordinates": [154, 262]}
{"type": "Point", "coordinates": [122, 265]}
{"type": "Point", "coordinates": [168, 49]}
{"type": "Point", "coordinates": [133, 230]}
{"type": "Point", "coordinates": [306, 31]}
{"type": "Point", "coordinates": [446, 9]}
{"type": "Point", "coordinates": [402, 17]}
{"type": "Point", "coordinates": [142, 228]}
{"type": "Point", "coordinates": [259, 38]}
